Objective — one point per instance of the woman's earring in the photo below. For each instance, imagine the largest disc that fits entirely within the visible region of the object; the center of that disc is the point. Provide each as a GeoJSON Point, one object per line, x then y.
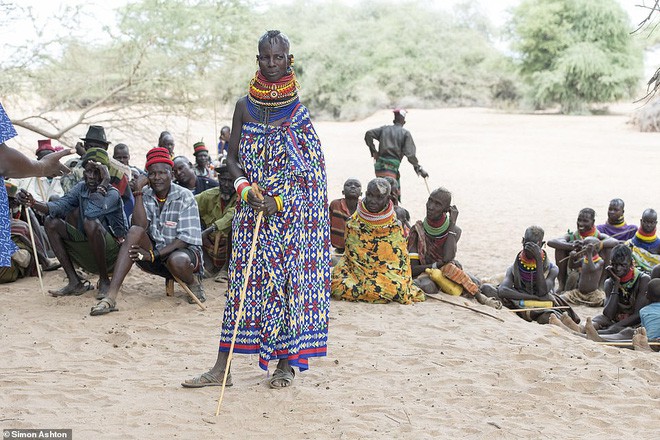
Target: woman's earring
{"type": "Point", "coordinates": [292, 60]}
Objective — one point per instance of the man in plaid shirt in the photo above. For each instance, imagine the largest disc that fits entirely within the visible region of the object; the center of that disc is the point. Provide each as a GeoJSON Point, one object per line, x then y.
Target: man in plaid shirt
{"type": "Point", "coordinates": [165, 237]}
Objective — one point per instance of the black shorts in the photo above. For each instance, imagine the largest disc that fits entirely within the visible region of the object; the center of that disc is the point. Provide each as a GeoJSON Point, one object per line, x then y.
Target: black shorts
{"type": "Point", "coordinates": [159, 268]}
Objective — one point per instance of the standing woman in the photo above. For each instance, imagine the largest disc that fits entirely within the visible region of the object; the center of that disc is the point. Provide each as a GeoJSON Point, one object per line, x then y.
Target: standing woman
{"type": "Point", "coordinates": [274, 145]}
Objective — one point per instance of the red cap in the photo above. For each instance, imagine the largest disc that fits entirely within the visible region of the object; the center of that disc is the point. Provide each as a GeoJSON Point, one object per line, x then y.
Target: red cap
{"type": "Point", "coordinates": [158, 155]}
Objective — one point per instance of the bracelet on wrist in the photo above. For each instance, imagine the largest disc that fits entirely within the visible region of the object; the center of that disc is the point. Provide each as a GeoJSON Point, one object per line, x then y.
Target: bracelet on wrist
{"type": "Point", "coordinates": [137, 193]}
{"type": "Point", "coordinates": [156, 254]}
{"type": "Point", "coordinates": [279, 203]}
{"type": "Point", "coordinates": [238, 182]}
{"type": "Point", "coordinates": [244, 192]}
{"type": "Point", "coordinates": [153, 258]}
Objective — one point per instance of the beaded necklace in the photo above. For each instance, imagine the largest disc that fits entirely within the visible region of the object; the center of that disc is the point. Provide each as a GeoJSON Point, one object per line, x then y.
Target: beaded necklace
{"type": "Point", "coordinates": [619, 224]}
{"type": "Point", "coordinates": [593, 232]}
{"type": "Point", "coordinates": [646, 238]}
{"type": "Point", "coordinates": [527, 268]}
{"type": "Point", "coordinates": [271, 101]}
{"type": "Point", "coordinates": [437, 232]}
{"type": "Point", "coordinates": [378, 218]}
{"type": "Point", "coordinates": [596, 258]}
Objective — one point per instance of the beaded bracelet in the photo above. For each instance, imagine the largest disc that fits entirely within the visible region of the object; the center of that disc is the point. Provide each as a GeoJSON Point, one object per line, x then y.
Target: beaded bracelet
{"type": "Point", "coordinates": [238, 182]}
{"type": "Point", "coordinates": [244, 192]}
{"type": "Point", "coordinates": [242, 188]}
{"type": "Point", "coordinates": [279, 203]}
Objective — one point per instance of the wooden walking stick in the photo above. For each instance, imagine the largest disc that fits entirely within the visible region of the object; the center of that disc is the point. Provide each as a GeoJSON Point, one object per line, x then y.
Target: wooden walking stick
{"type": "Point", "coordinates": [241, 300]}
{"type": "Point", "coordinates": [189, 292]}
{"type": "Point", "coordinates": [34, 250]}
{"type": "Point", "coordinates": [463, 307]}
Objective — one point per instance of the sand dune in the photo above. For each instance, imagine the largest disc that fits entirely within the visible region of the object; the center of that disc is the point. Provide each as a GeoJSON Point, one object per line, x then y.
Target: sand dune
{"type": "Point", "coordinates": [427, 370]}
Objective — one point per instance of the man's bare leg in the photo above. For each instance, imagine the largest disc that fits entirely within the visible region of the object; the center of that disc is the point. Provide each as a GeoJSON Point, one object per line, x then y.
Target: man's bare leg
{"type": "Point", "coordinates": [640, 341]}
{"type": "Point", "coordinates": [556, 321]}
{"type": "Point", "coordinates": [56, 231]}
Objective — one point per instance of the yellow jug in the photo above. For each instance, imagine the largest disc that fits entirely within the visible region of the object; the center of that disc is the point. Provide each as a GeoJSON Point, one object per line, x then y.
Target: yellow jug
{"type": "Point", "coordinates": [444, 283]}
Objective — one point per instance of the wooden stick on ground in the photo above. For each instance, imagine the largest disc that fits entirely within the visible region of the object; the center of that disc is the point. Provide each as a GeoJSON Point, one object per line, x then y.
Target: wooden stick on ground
{"type": "Point", "coordinates": [189, 292]}
{"type": "Point", "coordinates": [623, 343]}
{"type": "Point", "coordinates": [464, 307]}
{"type": "Point", "coordinates": [241, 300]}
{"type": "Point", "coordinates": [34, 250]}
{"type": "Point", "coordinates": [538, 308]}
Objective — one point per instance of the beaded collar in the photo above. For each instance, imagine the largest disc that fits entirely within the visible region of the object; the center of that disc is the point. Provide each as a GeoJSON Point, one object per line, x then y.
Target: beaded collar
{"type": "Point", "coordinates": [647, 238]}
{"type": "Point", "coordinates": [378, 218]}
{"type": "Point", "coordinates": [271, 101]}
{"type": "Point", "coordinates": [439, 231]}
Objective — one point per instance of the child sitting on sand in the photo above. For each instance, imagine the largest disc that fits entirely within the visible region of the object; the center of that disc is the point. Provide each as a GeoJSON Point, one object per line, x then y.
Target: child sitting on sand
{"type": "Point", "coordinates": [585, 270]}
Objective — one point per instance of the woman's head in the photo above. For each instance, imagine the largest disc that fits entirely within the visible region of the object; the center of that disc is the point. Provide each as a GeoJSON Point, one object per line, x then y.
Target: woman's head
{"type": "Point", "coordinates": [274, 59]}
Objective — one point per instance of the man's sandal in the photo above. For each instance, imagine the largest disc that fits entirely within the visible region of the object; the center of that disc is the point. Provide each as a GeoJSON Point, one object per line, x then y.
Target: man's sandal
{"type": "Point", "coordinates": [105, 306]}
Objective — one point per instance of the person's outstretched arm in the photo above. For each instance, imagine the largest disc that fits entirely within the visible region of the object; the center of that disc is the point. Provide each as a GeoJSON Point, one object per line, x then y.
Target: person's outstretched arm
{"type": "Point", "coordinates": [15, 164]}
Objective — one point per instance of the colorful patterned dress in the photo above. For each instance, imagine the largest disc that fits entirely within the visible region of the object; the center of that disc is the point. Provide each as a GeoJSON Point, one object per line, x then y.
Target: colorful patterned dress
{"type": "Point", "coordinates": [7, 246]}
{"type": "Point", "coordinates": [375, 267]}
{"type": "Point", "coordinates": [287, 299]}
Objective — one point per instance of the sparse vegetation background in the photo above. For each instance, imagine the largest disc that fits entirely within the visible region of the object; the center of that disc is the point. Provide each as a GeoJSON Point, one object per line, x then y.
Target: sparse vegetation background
{"type": "Point", "coordinates": [352, 58]}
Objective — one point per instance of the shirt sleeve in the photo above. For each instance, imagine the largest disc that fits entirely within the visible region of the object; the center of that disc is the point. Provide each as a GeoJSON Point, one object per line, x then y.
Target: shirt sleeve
{"type": "Point", "coordinates": [409, 149]}
{"type": "Point", "coordinates": [224, 223]}
{"type": "Point", "coordinates": [7, 130]}
{"type": "Point", "coordinates": [370, 135]}
{"type": "Point", "coordinates": [68, 202]}
{"type": "Point", "coordinates": [189, 229]}
{"type": "Point", "coordinates": [100, 205]}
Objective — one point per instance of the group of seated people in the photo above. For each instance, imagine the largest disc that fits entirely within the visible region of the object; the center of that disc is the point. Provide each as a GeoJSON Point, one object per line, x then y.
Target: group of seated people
{"type": "Point", "coordinates": [378, 259]}
{"type": "Point", "coordinates": [172, 219]}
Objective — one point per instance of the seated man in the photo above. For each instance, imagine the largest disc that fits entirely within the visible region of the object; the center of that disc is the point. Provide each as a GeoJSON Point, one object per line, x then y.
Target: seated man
{"type": "Point", "coordinates": [573, 241]}
{"type": "Point", "coordinates": [120, 175]}
{"type": "Point", "coordinates": [42, 188]}
{"type": "Point", "coordinates": [616, 226]}
{"type": "Point", "coordinates": [585, 271]}
{"type": "Point", "coordinates": [216, 211]}
{"type": "Point", "coordinates": [165, 237]}
{"type": "Point", "coordinates": [638, 337]}
{"type": "Point", "coordinates": [203, 166]}
{"type": "Point", "coordinates": [530, 278]}
{"type": "Point", "coordinates": [432, 244]}
{"type": "Point", "coordinates": [22, 256]}
{"type": "Point", "coordinates": [341, 210]}
{"type": "Point", "coordinates": [645, 244]}
{"type": "Point", "coordinates": [184, 175]}
{"type": "Point", "coordinates": [375, 266]}
{"type": "Point", "coordinates": [94, 242]}
{"type": "Point", "coordinates": [122, 155]}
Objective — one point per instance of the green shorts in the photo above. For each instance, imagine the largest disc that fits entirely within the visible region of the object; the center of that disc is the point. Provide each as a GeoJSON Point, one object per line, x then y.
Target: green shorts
{"type": "Point", "coordinates": [81, 253]}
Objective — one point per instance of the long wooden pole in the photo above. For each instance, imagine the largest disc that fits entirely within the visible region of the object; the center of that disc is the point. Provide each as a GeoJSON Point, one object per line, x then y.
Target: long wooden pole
{"type": "Point", "coordinates": [464, 307]}
{"type": "Point", "coordinates": [34, 250]}
{"type": "Point", "coordinates": [622, 343]}
{"type": "Point", "coordinates": [241, 300]}
{"type": "Point", "coordinates": [538, 308]}
{"type": "Point", "coordinates": [189, 292]}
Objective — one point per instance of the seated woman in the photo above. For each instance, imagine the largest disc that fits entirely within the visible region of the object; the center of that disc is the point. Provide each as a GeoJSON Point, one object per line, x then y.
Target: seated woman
{"type": "Point", "coordinates": [530, 279]}
{"type": "Point", "coordinates": [375, 266]}
{"type": "Point", "coordinates": [432, 244]}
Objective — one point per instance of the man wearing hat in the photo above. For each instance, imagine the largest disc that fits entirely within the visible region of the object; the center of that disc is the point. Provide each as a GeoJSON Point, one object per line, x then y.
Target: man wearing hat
{"type": "Point", "coordinates": [120, 175]}
{"type": "Point", "coordinates": [394, 142]}
{"type": "Point", "coordinates": [216, 211]}
{"type": "Point", "coordinates": [94, 242]}
{"type": "Point", "coordinates": [184, 175]}
{"type": "Point", "coordinates": [165, 237]}
{"type": "Point", "coordinates": [203, 165]}
{"type": "Point", "coordinates": [43, 188]}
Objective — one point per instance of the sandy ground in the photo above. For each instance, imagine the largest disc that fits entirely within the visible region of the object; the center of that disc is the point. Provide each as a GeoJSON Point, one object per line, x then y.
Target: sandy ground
{"type": "Point", "coordinates": [428, 370]}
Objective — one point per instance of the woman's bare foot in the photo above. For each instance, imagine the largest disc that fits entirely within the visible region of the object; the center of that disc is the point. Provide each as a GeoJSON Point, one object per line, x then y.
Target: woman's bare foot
{"type": "Point", "coordinates": [640, 341]}
{"type": "Point", "coordinates": [591, 331]}
{"type": "Point", "coordinates": [568, 322]}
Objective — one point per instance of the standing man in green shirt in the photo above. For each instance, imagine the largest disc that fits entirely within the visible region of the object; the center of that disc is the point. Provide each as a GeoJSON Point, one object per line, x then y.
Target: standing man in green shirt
{"type": "Point", "coordinates": [394, 142]}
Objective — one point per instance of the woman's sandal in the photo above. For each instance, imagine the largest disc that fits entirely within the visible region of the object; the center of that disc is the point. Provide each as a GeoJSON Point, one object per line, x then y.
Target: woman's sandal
{"type": "Point", "coordinates": [281, 378]}
{"type": "Point", "coordinates": [206, 380]}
